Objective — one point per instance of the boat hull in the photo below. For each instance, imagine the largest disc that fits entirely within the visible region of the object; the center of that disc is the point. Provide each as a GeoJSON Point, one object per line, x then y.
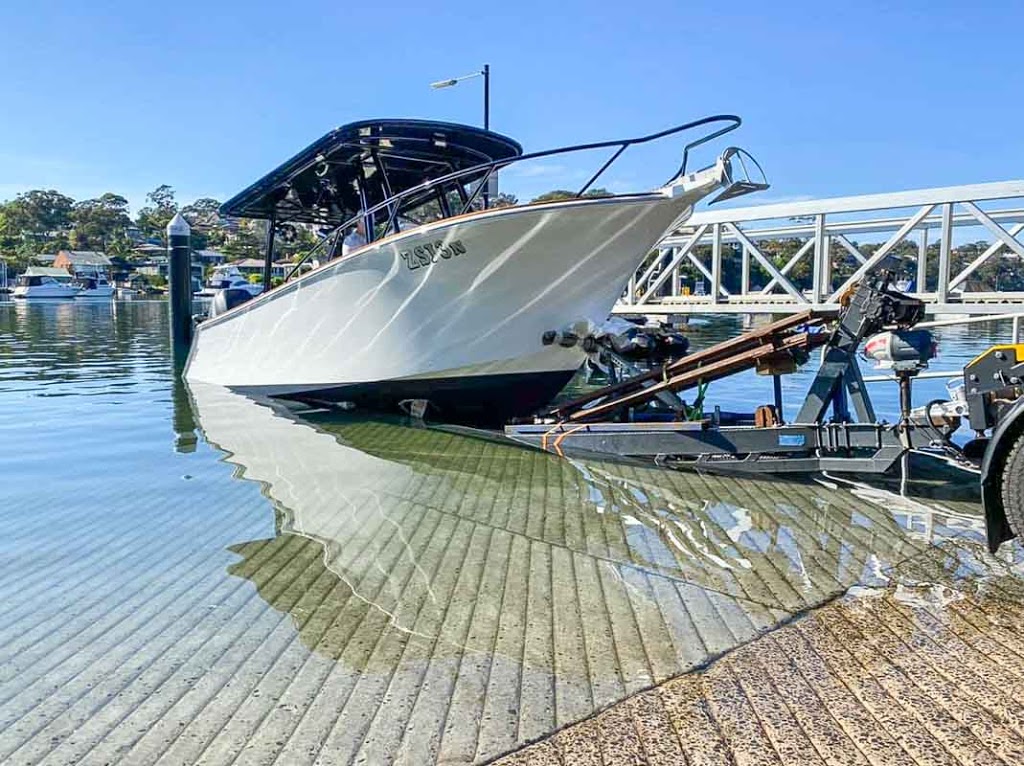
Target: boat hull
{"type": "Point", "coordinates": [45, 292]}
{"type": "Point", "coordinates": [454, 312]}
{"type": "Point", "coordinates": [104, 293]}
{"type": "Point", "coordinates": [480, 399]}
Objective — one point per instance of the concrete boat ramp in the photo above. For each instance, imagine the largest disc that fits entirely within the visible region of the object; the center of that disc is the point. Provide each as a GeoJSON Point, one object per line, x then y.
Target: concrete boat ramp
{"type": "Point", "coordinates": [369, 592]}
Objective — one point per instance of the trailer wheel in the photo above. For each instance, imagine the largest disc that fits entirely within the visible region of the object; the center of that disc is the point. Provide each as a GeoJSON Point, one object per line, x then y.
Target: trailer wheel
{"type": "Point", "coordinates": [1013, 485]}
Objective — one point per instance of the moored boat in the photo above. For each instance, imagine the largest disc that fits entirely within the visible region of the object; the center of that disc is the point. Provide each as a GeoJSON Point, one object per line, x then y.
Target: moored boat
{"type": "Point", "coordinates": [97, 288]}
{"type": "Point", "coordinates": [227, 277]}
{"type": "Point", "coordinates": [45, 283]}
{"type": "Point", "coordinates": [425, 294]}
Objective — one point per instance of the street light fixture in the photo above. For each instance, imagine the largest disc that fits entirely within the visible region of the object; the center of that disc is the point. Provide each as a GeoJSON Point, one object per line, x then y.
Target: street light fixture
{"type": "Point", "coordinates": [486, 74]}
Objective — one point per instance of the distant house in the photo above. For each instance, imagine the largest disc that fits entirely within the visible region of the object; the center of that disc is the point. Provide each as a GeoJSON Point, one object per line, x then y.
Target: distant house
{"type": "Point", "coordinates": [249, 266]}
{"type": "Point", "coordinates": [46, 259]}
{"type": "Point", "coordinates": [83, 263]}
{"type": "Point", "coordinates": [153, 266]}
{"type": "Point", "coordinates": [159, 266]}
{"type": "Point", "coordinates": [208, 257]}
{"type": "Point", "coordinates": [146, 250]}
{"type": "Point", "coordinates": [230, 225]}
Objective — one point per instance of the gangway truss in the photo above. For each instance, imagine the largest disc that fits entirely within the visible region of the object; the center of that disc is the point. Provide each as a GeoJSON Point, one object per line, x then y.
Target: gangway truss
{"type": "Point", "coordinates": [828, 232]}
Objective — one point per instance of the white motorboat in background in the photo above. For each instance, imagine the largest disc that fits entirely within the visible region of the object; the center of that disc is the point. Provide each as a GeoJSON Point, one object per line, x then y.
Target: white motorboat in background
{"type": "Point", "coordinates": [98, 287]}
{"type": "Point", "coordinates": [478, 311]}
{"type": "Point", "coordinates": [227, 277]}
{"type": "Point", "coordinates": [41, 282]}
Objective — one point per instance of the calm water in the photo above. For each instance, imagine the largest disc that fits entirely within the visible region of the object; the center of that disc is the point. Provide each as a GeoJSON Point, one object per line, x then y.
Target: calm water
{"type": "Point", "coordinates": [211, 578]}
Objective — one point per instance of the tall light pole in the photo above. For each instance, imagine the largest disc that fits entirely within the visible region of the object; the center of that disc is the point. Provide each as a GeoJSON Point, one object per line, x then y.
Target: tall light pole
{"type": "Point", "coordinates": [486, 74]}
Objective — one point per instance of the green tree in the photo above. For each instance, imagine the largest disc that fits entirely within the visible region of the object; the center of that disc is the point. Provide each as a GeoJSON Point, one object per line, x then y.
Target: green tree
{"type": "Point", "coordinates": [204, 218]}
{"type": "Point", "coordinates": [247, 241]}
{"type": "Point", "coordinates": [554, 195]}
{"type": "Point", "coordinates": [202, 214]}
{"type": "Point", "coordinates": [152, 219]}
{"type": "Point", "coordinates": [559, 194]}
{"type": "Point", "coordinates": [504, 199]}
{"type": "Point", "coordinates": [40, 213]}
{"type": "Point", "coordinates": [99, 222]}
{"type": "Point", "coordinates": [34, 222]}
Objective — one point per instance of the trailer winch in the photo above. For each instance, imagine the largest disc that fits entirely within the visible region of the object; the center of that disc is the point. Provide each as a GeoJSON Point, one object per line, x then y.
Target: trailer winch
{"type": "Point", "coordinates": [836, 428]}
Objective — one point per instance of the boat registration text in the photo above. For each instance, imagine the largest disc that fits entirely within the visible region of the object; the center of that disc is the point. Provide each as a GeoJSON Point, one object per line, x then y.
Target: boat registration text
{"type": "Point", "coordinates": [432, 252]}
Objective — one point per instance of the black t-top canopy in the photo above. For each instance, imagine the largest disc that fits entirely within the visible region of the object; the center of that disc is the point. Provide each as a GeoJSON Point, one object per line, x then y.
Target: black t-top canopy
{"type": "Point", "coordinates": [361, 164]}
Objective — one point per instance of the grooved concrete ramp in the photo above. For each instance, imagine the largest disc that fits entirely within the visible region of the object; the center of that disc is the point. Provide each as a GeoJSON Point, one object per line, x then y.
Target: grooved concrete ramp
{"type": "Point", "coordinates": [927, 671]}
{"type": "Point", "coordinates": [375, 593]}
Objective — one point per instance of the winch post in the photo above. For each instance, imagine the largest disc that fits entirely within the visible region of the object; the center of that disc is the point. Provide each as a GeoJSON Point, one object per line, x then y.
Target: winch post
{"type": "Point", "coordinates": [871, 307]}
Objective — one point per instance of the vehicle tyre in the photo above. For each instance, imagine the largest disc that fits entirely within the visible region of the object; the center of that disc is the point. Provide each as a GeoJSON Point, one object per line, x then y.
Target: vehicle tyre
{"type": "Point", "coordinates": [1013, 486]}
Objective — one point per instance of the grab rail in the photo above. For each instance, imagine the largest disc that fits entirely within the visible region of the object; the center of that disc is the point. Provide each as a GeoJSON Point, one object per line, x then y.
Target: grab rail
{"type": "Point", "coordinates": [393, 206]}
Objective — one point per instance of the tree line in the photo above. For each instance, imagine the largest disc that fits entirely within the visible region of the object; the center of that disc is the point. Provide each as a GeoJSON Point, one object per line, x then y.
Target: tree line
{"type": "Point", "coordinates": [46, 221]}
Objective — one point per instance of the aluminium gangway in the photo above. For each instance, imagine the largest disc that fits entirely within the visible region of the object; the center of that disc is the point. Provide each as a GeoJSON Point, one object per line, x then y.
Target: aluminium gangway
{"type": "Point", "coordinates": [829, 234]}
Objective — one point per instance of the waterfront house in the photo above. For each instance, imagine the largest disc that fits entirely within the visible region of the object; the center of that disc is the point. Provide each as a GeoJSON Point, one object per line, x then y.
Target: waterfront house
{"type": "Point", "coordinates": [254, 266]}
{"type": "Point", "coordinates": [86, 264]}
{"type": "Point", "coordinates": [147, 250]}
{"type": "Point", "coordinates": [159, 266]}
{"type": "Point", "coordinates": [208, 257]}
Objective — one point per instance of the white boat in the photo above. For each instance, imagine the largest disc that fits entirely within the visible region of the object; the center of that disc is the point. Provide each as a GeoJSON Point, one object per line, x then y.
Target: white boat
{"type": "Point", "coordinates": [478, 311]}
{"type": "Point", "coordinates": [227, 277]}
{"type": "Point", "coordinates": [98, 287]}
{"type": "Point", "coordinates": [45, 283]}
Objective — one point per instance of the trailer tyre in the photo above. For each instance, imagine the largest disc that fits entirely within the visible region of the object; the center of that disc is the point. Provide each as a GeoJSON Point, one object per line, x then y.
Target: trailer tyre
{"type": "Point", "coordinates": [1013, 485]}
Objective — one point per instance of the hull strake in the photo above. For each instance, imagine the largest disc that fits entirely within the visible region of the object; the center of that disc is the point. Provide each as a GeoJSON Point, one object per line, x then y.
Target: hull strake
{"type": "Point", "coordinates": [474, 293]}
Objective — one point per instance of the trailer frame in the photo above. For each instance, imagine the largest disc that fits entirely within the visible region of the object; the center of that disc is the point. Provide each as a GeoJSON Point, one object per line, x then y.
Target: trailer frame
{"type": "Point", "coordinates": [625, 419]}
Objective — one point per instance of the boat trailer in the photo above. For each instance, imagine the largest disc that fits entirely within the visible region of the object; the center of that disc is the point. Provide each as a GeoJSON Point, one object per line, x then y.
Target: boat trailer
{"type": "Point", "coordinates": [645, 417]}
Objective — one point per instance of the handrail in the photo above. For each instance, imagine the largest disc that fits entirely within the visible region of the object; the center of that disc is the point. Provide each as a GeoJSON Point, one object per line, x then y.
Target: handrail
{"type": "Point", "coordinates": [392, 203]}
{"type": "Point", "coordinates": [309, 254]}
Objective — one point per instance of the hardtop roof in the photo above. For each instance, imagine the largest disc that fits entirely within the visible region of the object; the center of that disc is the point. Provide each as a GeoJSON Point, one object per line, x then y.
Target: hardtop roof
{"type": "Point", "coordinates": [336, 176]}
{"type": "Point", "coordinates": [47, 271]}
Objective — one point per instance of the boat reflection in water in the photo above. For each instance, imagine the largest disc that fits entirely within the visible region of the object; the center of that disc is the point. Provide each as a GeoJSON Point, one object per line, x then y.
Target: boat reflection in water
{"type": "Point", "coordinates": [460, 597]}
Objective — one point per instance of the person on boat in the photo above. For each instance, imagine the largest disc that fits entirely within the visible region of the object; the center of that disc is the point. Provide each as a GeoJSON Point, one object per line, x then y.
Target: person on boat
{"type": "Point", "coordinates": [355, 239]}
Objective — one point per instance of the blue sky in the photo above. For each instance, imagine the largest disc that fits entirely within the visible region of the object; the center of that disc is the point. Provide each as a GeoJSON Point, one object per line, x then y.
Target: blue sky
{"type": "Point", "coordinates": [837, 99]}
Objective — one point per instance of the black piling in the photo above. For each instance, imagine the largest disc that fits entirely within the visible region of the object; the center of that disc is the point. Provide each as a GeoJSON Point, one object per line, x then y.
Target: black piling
{"type": "Point", "coordinates": [179, 280]}
{"type": "Point", "coordinates": [183, 418]}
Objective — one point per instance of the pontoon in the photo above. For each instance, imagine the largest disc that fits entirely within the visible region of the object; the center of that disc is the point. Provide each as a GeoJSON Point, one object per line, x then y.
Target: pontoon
{"type": "Point", "coordinates": [478, 310]}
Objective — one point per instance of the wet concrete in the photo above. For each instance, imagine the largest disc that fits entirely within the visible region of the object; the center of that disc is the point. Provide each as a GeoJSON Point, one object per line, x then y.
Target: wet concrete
{"type": "Point", "coordinates": [927, 669]}
{"type": "Point", "coordinates": [403, 595]}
